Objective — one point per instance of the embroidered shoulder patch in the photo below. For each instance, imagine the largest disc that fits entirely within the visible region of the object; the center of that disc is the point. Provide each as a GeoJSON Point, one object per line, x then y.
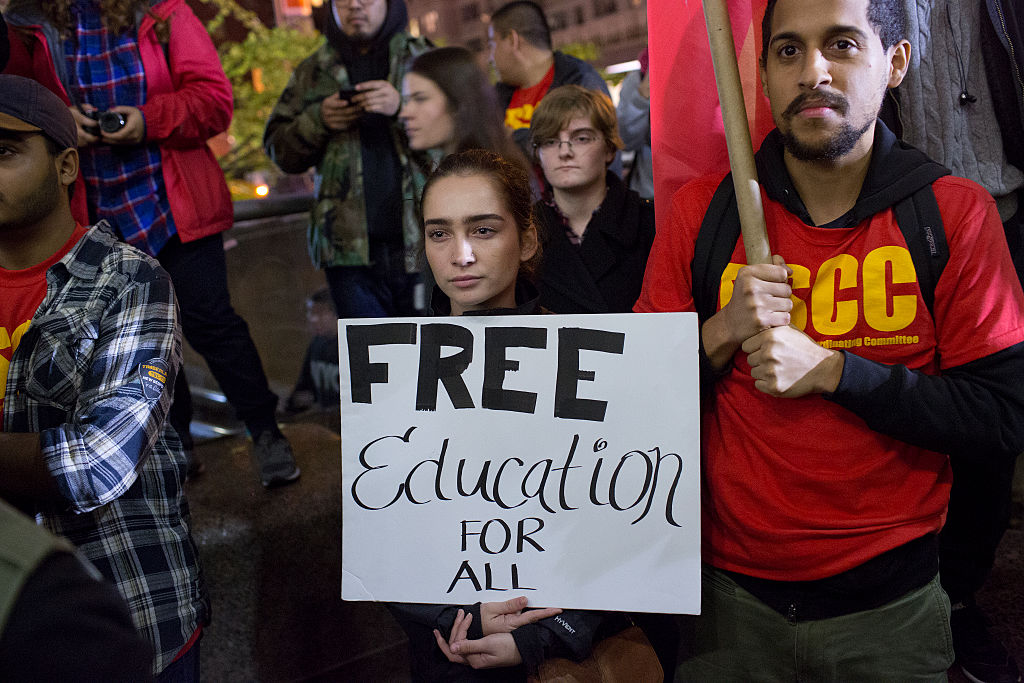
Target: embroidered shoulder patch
{"type": "Point", "coordinates": [153, 375]}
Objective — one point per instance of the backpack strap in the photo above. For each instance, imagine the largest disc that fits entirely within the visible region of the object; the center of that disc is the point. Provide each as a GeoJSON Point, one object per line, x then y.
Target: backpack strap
{"type": "Point", "coordinates": [920, 222]}
{"type": "Point", "coordinates": [917, 216]}
{"type": "Point", "coordinates": [716, 241]}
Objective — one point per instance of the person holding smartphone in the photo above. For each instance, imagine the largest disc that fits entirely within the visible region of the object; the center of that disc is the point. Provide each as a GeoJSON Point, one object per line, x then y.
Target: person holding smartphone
{"type": "Point", "coordinates": [339, 114]}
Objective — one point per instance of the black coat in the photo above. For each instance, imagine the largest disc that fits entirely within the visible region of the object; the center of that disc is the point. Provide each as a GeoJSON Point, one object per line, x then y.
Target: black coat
{"type": "Point", "coordinates": [604, 273]}
{"type": "Point", "coordinates": [5, 46]}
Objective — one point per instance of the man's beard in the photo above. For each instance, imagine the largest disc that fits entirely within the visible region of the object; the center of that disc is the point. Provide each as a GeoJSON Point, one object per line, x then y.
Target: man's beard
{"type": "Point", "coordinates": [837, 146]}
{"type": "Point", "coordinates": [34, 209]}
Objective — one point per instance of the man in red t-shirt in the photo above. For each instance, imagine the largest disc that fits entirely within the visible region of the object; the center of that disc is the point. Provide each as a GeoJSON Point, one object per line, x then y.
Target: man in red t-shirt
{"type": "Point", "coordinates": [89, 350]}
{"type": "Point", "coordinates": [30, 239]}
{"type": "Point", "coordinates": [520, 42]}
{"type": "Point", "coordinates": [834, 389]}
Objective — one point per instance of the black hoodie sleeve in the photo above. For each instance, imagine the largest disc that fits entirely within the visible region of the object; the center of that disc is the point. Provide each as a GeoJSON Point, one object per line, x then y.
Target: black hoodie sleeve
{"type": "Point", "coordinates": [440, 617]}
{"type": "Point", "coordinates": [975, 408]}
{"type": "Point", "coordinates": [569, 634]}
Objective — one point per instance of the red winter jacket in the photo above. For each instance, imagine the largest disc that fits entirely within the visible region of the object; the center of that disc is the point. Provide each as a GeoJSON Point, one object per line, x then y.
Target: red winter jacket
{"type": "Point", "coordinates": [188, 101]}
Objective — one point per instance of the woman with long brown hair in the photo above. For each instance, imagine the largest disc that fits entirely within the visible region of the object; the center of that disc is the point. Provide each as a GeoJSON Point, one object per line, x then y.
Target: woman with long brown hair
{"type": "Point", "coordinates": [449, 105]}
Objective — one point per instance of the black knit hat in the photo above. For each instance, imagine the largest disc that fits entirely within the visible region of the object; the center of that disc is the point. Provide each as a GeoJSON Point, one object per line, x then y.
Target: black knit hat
{"type": "Point", "coordinates": [27, 106]}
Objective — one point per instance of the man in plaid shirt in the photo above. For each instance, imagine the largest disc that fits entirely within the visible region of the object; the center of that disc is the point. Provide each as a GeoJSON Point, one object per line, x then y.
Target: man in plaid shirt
{"type": "Point", "coordinates": [89, 349]}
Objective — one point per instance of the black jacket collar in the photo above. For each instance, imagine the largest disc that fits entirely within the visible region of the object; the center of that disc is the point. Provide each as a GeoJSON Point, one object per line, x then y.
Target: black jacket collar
{"type": "Point", "coordinates": [593, 276]}
{"type": "Point", "coordinates": [608, 219]}
{"type": "Point", "coordinates": [895, 172]}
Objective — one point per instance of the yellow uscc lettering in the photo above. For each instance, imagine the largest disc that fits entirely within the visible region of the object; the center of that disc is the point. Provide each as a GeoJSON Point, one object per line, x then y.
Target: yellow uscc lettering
{"type": "Point", "coordinates": [9, 341]}
{"type": "Point", "coordinates": [801, 279]}
{"type": "Point", "coordinates": [832, 315]}
{"type": "Point", "coordinates": [19, 331]}
{"type": "Point", "coordinates": [4, 365]}
{"type": "Point", "coordinates": [877, 298]}
{"type": "Point", "coordinates": [728, 283]}
{"type": "Point", "coordinates": [519, 117]}
{"type": "Point", "coordinates": [829, 315]}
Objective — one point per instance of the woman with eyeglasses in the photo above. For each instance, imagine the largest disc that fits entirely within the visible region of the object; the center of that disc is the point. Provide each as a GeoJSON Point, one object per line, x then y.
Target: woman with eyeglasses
{"type": "Point", "coordinates": [596, 232]}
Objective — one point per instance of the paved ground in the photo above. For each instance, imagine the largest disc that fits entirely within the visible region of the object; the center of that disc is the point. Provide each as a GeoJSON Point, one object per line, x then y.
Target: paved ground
{"type": "Point", "coordinates": [273, 561]}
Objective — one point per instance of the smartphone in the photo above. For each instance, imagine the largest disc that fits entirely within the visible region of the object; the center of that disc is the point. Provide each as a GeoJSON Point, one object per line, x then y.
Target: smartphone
{"type": "Point", "coordinates": [347, 94]}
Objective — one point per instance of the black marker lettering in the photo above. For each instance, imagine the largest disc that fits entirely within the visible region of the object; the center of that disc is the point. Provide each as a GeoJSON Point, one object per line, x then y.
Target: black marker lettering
{"type": "Point", "coordinates": [570, 341]}
{"type": "Point", "coordinates": [448, 370]}
{"type": "Point", "coordinates": [497, 340]}
{"type": "Point", "coordinates": [363, 373]}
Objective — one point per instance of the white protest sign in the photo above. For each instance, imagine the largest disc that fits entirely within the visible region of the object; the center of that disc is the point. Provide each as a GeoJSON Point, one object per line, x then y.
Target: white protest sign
{"type": "Point", "coordinates": [552, 456]}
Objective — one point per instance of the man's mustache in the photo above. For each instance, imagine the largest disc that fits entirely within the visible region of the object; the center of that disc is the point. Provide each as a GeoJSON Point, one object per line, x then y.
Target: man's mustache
{"type": "Point", "coordinates": [818, 99]}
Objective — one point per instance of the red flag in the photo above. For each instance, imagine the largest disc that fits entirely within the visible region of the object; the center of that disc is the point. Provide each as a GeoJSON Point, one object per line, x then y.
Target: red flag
{"type": "Point", "coordinates": [687, 137]}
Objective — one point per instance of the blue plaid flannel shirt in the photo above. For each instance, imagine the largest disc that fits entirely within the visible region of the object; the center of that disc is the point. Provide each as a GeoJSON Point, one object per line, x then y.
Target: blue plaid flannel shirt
{"type": "Point", "coordinates": [94, 376]}
{"type": "Point", "coordinates": [124, 184]}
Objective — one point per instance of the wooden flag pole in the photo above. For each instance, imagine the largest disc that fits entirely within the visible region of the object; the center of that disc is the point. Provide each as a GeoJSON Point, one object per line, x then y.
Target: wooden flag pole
{"type": "Point", "coordinates": [737, 132]}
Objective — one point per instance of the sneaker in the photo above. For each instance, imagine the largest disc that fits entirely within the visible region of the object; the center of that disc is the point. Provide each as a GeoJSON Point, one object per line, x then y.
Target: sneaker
{"type": "Point", "coordinates": [273, 455]}
{"type": "Point", "coordinates": [981, 657]}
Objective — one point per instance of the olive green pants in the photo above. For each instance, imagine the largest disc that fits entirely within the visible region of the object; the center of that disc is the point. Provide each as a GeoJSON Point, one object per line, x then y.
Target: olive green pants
{"type": "Point", "coordinates": [739, 638]}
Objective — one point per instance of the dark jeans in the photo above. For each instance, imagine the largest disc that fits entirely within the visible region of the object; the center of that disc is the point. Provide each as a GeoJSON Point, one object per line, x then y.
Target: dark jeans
{"type": "Point", "coordinates": [981, 499]}
{"type": "Point", "coordinates": [199, 273]}
{"type": "Point", "coordinates": [185, 669]}
{"type": "Point", "coordinates": [380, 290]}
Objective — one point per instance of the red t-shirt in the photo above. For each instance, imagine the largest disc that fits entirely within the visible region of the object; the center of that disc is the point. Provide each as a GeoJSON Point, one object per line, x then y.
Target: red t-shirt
{"type": "Point", "coordinates": [802, 489]}
{"type": "Point", "coordinates": [23, 291]}
{"type": "Point", "coordinates": [525, 100]}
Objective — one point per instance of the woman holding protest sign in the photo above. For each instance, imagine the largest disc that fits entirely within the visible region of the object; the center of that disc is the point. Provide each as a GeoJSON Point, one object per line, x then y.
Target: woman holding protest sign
{"type": "Point", "coordinates": [481, 244]}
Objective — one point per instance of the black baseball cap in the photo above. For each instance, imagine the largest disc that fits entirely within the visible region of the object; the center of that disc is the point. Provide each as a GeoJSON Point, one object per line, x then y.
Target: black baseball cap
{"type": "Point", "coordinates": [27, 106]}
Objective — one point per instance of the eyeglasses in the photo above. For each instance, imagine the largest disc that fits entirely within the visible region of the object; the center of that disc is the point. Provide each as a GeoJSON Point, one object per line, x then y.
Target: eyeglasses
{"type": "Point", "coordinates": [578, 141]}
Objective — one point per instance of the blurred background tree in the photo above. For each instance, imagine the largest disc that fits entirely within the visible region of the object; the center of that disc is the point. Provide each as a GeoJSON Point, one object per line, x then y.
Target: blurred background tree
{"type": "Point", "coordinates": [589, 52]}
{"type": "Point", "coordinates": [259, 68]}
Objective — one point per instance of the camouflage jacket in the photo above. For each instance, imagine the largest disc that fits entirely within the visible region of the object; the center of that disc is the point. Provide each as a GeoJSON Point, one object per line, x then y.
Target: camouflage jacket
{"type": "Point", "coordinates": [295, 139]}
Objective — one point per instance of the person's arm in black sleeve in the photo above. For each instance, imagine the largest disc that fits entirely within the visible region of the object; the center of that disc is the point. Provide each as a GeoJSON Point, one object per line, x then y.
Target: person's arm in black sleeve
{"type": "Point", "coordinates": [977, 407]}
{"type": "Point", "coordinates": [68, 626]}
{"type": "Point", "coordinates": [569, 634]}
{"type": "Point", "coordinates": [440, 617]}
{"type": "Point", "coordinates": [532, 641]}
